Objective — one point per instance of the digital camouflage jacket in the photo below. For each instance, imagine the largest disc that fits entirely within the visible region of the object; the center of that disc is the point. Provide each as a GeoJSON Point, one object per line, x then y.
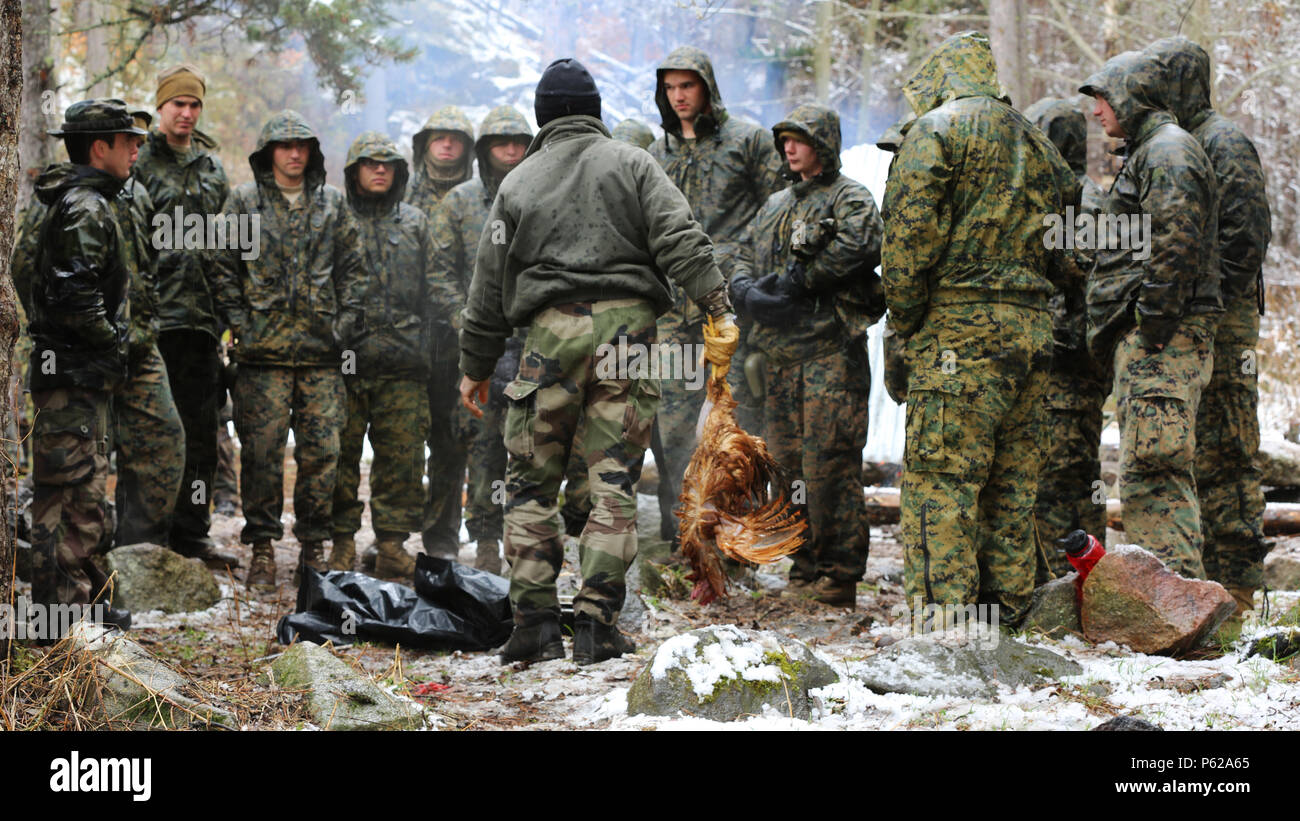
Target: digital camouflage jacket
{"type": "Point", "coordinates": [967, 194]}
{"type": "Point", "coordinates": [300, 302]}
{"type": "Point", "coordinates": [196, 183]}
{"type": "Point", "coordinates": [1167, 177]}
{"type": "Point", "coordinates": [427, 191]}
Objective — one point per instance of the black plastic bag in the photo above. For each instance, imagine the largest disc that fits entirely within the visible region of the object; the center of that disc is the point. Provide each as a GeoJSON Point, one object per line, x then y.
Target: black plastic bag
{"type": "Point", "coordinates": [453, 607]}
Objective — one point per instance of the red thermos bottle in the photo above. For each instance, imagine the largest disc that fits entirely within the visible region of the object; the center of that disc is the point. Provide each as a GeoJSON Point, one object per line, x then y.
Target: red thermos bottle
{"type": "Point", "coordinates": [1083, 551]}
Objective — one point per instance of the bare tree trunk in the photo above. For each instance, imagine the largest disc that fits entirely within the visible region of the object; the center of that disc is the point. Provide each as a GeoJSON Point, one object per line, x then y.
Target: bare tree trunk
{"type": "Point", "coordinates": [88, 14]}
{"type": "Point", "coordinates": [1007, 37]}
{"type": "Point", "coordinates": [38, 78]}
{"type": "Point", "coordinates": [11, 60]}
{"type": "Point", "coordinates": [822, 52]}
{"type": "Point", "coordinates": [868, 61]}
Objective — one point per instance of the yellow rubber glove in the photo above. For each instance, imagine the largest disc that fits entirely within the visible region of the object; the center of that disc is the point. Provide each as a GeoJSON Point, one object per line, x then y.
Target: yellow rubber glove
{"type": "Point", "coordinates": [721, 338]}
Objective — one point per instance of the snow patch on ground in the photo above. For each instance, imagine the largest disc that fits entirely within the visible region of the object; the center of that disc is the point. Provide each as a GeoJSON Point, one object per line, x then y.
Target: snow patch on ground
{"type": "Point", "coordinates": [733, 656]}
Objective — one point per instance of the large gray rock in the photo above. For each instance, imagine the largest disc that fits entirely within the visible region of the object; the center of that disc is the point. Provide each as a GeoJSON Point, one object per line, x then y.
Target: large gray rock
{"type": "Point", "coordinates": [1279, 462]}
{"type": "Point", "coordinates": [725, 672]}
{"type": "Point", "coordinates": [150, 577]}
{"type": "Point", "coordinates": [1282, 569]}
{"type": "Point", "coordinates": [1055, 609]}
{"type": "Point", "coordinates": [967, 662]}
{"type": "Point", "coordinates": [140, 692]}
{"type": "Point", "coordinates": [1131, 598]}
{"type": "Point", "coordinates": [338, 697]}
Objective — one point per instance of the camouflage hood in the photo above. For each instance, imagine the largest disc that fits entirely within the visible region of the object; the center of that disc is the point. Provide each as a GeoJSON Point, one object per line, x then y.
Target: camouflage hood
{"type": "Point", "coordinates": [820, 126]}
{"type": "Point", "coordinates": [893, 137]}
{"type": "Point", "coordinates": [1184, 90]}
{"type": "Point", "coordinates": [57, 178]}
{"type": "Point", "coordinates": [689, 58]}
{"type": "Point", "coordinates": [375, 146]}
{"type": "Point", "coordinates": [448, 118]}
{"type": "Point", "coordinates": [287, 125]}
{"type": "Point", "coordinates": [633, 131]}
{"type": "Point", "coordinates": [502, 121]}
{"type": "Point", "coordinates": [962, 66]}
{"type": "Point", "coordinates": [1064, 124]}
{"type": "Point", "coordinates": [1131, 84]}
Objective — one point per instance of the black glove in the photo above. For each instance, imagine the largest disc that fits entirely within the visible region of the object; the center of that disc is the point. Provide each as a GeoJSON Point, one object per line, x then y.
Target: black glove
{"type": "Point", "coordinates": [771, 303]}
{"type": "Point", "coordinates": [738, 290]}
{"type": "Point", "coordinates": [1156, 331]}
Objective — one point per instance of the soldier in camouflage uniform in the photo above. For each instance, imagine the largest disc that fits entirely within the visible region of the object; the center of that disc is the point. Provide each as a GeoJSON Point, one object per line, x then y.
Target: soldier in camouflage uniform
{"type": "Point", "coordinates": [965, 275]}
{"type": "Point", "coordinates": [1069, 497]}
{"type": "Point", "coordinates": [635, 132]}
{"type": "Point", "coordinates": [444, 158]}
{"type": "Point", "coordinates": [457, 225]}
{"type": "Point", "coordinates": [727, 169]}
{"type": "Point", "coordinates": [813, 294]}
{"type": "Point", "coordinates": [81, 334]}
{"type": "Point", "coordinates": [1153, 314]}
{"type": "Point", "coordinates": [577, 290]}
{"type": "Point", "coordinates": [1227, 420]}
{"type": "Point", "coordinates": [292, 310]}
{"type": "Point", "coordinates": [179, 168]}
{"type": "Point", "coordinates": [386, 387]}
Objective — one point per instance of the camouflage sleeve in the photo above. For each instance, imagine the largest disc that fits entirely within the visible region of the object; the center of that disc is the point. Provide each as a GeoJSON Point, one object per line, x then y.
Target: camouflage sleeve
{"type": "Point", "coordinates": [1063, 268]}
{"type": "Point", "coordinates": [678, 244]}
{"type": "Point", "coordinates": [228, 274]}
{"type": "Point", "coordinates": [22, 263]}
{"type": "Point", "coordinates": [855, 246]}
{"type": "Point", "coordinates": [484, 326]}
{"type": "Point", "coordinates": [84, 238]}
{"type": "Point", "coordinates": [766, 167]}
{"type": "Point", "coordinates": [349, 276]}
{"type": "Point", "coordinates": [1244, 220]}
{"type": "Point", "coordinates": [448, 268]}
{"type": "Point", "coordinates": [917, 220]}
{"type": "Point", "coordinates": [1177, 195]}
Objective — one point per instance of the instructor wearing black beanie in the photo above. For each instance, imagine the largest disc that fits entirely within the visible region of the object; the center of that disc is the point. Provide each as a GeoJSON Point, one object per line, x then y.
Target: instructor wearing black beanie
{"type": "Point", "coordinates": [566, 88]}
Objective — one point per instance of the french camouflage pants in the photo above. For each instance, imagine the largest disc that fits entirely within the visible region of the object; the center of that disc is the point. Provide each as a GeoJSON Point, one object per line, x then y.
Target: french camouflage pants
{"type": "Point", "coordinates": [557, 384]}
{"type": "Point", "coordinates": [816, 415]}
{"type": "Point", "coordinates": [1157, 393]}
{"type": "Point", "coordinates": [70, 438]}
{"type": "Point", "coordinates": [975, 420]}
{"type": "Point", "coordinates": [1069, 494]}
{"type": "Point", "coordinates": [440, 531]}
{"type": "Point", "coordinates": [394, 413]}
{"type": "Point", "coordinates": [194, 371]}
{"type": "Point", "coordinates": [1227, 444]}
{"type": "Point", "coordinates": [150, 443]}
{"type": "Point", "coordinates": [269, 402]}
{"type": "Point", "coordinates": [679, 414]}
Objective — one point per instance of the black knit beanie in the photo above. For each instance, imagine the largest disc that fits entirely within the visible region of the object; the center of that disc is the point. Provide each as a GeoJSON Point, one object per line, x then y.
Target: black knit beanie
{"type": "Point", "coordinates": [566, 88]}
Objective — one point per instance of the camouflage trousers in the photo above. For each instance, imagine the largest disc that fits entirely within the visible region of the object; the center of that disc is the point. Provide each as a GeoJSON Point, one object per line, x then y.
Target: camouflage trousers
{"type": "Point", "coordinates": [1157, 393]}
{"type": "Point", "coordinates": [1227, 444]}
{"type": "Point", "coordinates": [816, 415]}
{"type": "Point", "coordinates": [395, 412]}
{"type": "Point", "coordinates": [70, 435]}
{"type": "Point", "coordinates": [150, 443]}
{"type": "Point", "coordinates": [679, 413]}
{"type": "Point", "coordinates": [975, 420]}
{"type": "Point", "coordinates": [226, 483]}
{"type": "Point", "coordinates": [269, 401]}
{"type": "Point", "coordinates": [194, 371]}
{"type": "Point", "coordinates": [557, 385]}
{"type": "Point", "coordinates": [440, 530]}
{"type": "Point", "coordinates": [1069, 494]}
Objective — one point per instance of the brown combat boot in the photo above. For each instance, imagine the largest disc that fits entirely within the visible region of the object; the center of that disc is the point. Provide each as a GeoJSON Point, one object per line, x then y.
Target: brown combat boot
{"type": "Point", "coordinates": [393, 562]}
{"type": "Point", "coordinates": [836, 593]}
{"type": "Point", "coordinates": [261, 570]}
{"type": "Point", "coordinates": [488, 556]}
{"type": "Point", "coordinates": [312, 555]}
{"type": "Point", "coordinates": [344, 552]}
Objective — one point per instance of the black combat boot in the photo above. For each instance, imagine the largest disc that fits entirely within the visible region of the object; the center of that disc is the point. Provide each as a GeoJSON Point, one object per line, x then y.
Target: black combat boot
{"type": "Point", "coordinates": [594, 642]}
{"type": "Point", "coordinates": [539, 641]}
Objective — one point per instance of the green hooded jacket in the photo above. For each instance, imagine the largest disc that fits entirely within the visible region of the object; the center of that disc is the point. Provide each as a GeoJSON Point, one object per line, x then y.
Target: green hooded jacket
{"type": "Point", "coordinates": [1064, 124]}
{"type": "Point", "coordinates": [584, 217]}
{"type": "Point", "coordinates": [829, 227]}
{"type": "Point", "coordinates": [967, 194]}
{"type": "Point", "coordinates": [1245, 224]}
{"type": "Point", "coordinates": [404, 297]}
{"type": "Point", "coordinates": [80, 314]}
{"type": "Point", "coordinates": [194, 182]}
{"type": "Point", "coordinates": [300, 300]}
{"type": "Point", "coordinates": [1167, 178]}
{"type": "Point", "coordinates": [427, 191]}
{"type": "Point", "coordinates": [635, 132]}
